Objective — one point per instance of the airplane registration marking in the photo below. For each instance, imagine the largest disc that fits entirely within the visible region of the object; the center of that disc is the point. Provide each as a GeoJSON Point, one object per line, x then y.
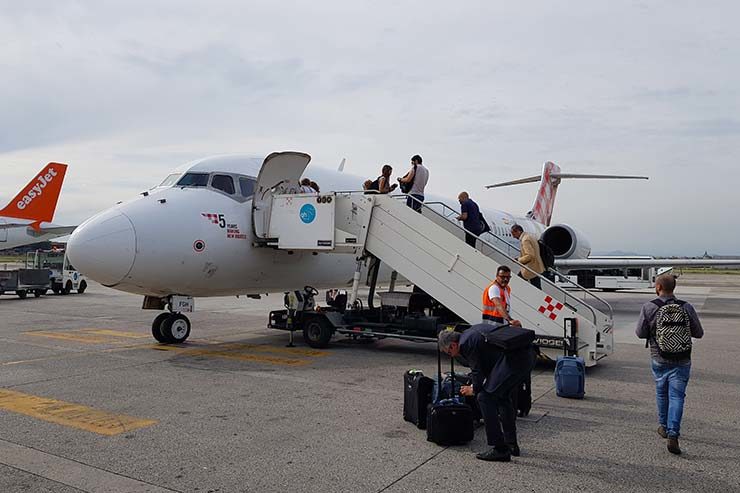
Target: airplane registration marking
{"type": "Point", "coordinates": [70, 414]}
{"type": "Point", "coordinates": [232, 351]}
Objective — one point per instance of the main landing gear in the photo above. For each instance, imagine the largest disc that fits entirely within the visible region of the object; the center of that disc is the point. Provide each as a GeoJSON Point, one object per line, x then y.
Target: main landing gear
{"type": "Point", "coordinates": [169, 327]}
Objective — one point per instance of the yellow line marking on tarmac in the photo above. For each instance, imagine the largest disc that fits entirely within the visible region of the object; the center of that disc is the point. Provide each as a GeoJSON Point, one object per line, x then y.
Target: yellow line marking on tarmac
{"type": "Point", "coordinates": [117, 333]}
{"type": "Point", "coordinates": [69, 414]}
{"type": "Point", "coordinates": [79, 337]}
{"type": "Point", "coordinates": [223, 352]}
{"type": "Point", "coordinates": [88, 336]}
{"type": "Point", "coordinates": [264, 348]}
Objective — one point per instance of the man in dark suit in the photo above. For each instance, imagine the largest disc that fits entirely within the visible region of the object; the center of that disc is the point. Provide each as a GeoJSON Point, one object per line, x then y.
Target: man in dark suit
{"type": "Point", "coordinates": [495, 375]}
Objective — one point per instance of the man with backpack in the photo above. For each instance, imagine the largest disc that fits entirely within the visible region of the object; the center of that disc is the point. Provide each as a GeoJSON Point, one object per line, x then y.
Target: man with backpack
{"type": "Point", "coordinates": [500, 359]}
{"type": "Point", "coordinates": [668, 324]}
{"type": "Point", "coordinates": [414, 182]}
{"type": "Point", "coordinates": [471, 218]}
{"type": "Point", "coordinates": [529, 256]}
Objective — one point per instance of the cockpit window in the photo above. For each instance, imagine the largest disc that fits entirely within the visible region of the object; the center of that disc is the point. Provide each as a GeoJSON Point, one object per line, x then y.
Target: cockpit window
{"type": "Point", "coordinates": [224, 183]}
{"type": "Point", "coordinates": [247, 186]}
{"type": "Point", "coordinates": [170, 180]}
{"type": "Point", "coordinates": [193, 180]}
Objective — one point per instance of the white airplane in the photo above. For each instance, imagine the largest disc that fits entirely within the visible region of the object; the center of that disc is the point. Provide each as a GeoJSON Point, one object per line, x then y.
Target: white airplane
{"type": "Point", "coordinates": [194, 235]}
{"type": "Point", "coordinates": [27, 218]}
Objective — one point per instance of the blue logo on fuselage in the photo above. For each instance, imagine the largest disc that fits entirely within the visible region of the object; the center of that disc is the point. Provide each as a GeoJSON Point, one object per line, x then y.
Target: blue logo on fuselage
{"type": "Point", "coordinates": [308, 213]}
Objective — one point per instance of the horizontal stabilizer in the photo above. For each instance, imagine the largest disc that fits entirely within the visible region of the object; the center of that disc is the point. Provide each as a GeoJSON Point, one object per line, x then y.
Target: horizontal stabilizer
{"type": "Point", "coordinates": [595, 263]}
{"type": "Point", "coordinates": [58, 230]}
{"type": "Point", "coordinates": [54, 230]}
{"type": "Point", "coordinates": [533, 179]}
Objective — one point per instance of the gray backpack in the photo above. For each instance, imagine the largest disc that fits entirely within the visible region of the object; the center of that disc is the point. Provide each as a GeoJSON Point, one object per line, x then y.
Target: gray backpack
{"type": "Point", "coordinates": [672, 330]}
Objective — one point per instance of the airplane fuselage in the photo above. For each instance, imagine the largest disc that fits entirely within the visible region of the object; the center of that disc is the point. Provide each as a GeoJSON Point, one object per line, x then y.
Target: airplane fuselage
{"type": "Point", "coordinates": [198, 241]}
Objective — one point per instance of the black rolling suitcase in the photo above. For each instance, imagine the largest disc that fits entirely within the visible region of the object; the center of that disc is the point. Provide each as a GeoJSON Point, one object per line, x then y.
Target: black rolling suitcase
{"type": "Point", "coordinates": [417, 394]}
{"type": "Point", "coordinates": [449, 421]}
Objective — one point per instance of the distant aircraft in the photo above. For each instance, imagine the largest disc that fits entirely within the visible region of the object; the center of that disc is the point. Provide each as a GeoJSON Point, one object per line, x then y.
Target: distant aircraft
{"type": "Point", "coordinates": [196, 235]}
{"type": "Point", "coordinates": [27, 218]}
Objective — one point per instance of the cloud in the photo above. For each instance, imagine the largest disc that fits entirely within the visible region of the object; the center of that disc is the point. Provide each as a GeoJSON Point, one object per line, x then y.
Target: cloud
{"type": "Point", "coordinates": [485, 91]}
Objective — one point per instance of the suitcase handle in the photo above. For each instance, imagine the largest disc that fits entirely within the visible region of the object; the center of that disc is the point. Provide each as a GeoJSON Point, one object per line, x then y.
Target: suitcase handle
{"type": "Point", "coordinates": [439, 375]}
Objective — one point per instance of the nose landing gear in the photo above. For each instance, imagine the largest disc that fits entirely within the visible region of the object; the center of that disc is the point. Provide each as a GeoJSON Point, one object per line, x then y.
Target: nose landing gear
{"type": "Point", "coordinates": [172, 327]}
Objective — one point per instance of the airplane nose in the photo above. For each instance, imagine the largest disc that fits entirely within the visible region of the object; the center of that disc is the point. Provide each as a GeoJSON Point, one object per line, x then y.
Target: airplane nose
{"type": "Point", "coordinates": [104, 247]}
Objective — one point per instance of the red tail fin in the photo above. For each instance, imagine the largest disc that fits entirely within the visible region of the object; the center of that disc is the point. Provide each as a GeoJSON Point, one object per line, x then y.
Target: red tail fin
{"type": "Point", "coordinates": [38, 200]}
{"type": "Point", "coordinates": [545, 200]}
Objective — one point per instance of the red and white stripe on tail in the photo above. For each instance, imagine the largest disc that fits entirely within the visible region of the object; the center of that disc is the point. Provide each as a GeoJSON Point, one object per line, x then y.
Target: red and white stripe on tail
{"type": "Point", "coordinates": [545, 199]}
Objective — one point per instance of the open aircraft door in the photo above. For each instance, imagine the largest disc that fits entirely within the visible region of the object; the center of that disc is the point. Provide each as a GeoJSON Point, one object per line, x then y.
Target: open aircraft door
{"type": "Point", "coordinates": [3, 231]}
{"type": "Point", "coordinates": [280, 173]}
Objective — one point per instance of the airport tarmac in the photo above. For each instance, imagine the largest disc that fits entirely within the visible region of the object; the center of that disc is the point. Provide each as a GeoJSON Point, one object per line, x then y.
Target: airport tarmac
{"type": "Point", "coordinates": [89, 402]}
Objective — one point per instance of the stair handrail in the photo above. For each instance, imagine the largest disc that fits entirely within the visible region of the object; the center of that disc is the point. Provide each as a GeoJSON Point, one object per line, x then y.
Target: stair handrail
{"type": "Point", "coordinates": [542, 278]}
{"type": "Point", "coordinates": [510, 246]}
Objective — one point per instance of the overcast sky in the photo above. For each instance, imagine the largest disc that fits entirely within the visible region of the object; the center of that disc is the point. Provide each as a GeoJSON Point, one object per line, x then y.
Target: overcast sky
{"type": "Point", "coordinates": [484, 91]}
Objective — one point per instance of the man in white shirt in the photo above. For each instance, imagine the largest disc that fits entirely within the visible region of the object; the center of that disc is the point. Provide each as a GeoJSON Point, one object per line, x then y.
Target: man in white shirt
{"type": "Point", "coordinates": [417, 179]}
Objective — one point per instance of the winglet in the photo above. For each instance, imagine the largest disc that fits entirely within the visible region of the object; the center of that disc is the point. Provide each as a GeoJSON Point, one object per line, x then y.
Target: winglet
{"type": "Point", "coordinates": [37, 201]}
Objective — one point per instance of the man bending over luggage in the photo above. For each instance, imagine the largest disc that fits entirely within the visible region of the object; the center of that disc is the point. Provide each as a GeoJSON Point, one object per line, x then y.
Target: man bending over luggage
{"type": "Point", "coordinates": [495, 376]}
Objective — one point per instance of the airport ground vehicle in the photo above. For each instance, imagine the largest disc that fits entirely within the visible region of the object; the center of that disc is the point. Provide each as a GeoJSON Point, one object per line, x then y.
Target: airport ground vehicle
{"type": "Point", "coordinates": [24, 281]}
{"type": "Point", "coordinates": [64, 278]}
{"type": "Point", "coordinates": [411, 316]}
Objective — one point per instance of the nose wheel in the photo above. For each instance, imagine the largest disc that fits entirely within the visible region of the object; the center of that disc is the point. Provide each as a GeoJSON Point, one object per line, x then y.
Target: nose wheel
{"type": "Point", "coordinates": [171, 328]}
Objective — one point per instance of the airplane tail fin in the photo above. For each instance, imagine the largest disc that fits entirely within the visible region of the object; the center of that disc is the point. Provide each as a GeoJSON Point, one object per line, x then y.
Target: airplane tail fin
{"type": "Point", "coordinates": [37, 201]}
{"type": "Point", "coordinates": [549, 181]}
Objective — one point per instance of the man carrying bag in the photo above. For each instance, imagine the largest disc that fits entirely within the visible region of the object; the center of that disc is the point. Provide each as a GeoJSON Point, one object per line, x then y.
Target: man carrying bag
{"type": "Point", "coordinates": [500, 357]}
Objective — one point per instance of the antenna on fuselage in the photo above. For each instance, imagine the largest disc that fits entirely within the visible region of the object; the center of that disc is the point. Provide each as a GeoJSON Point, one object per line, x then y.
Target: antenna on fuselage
{"type": "Point", "coordinates": [341, 165]}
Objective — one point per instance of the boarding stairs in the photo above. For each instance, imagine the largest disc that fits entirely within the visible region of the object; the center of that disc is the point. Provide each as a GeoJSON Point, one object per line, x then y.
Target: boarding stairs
{"type": "Point", "coordinates": [429, 250]}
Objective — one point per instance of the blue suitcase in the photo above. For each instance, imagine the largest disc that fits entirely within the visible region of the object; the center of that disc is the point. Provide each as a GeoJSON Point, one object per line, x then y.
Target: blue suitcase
{"type": "Point", "coordinates": [570, 377]}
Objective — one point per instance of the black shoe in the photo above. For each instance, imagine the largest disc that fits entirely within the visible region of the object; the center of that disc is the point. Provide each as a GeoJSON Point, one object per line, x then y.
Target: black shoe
{"type": "Point", "coordinates": [673, 446]}
{"type": "Point", "coordinates": [494, 455]}
{"type": "Point", "coordinates": [514, 449]}
{"type": "Point", "coordinates": [662, 432]}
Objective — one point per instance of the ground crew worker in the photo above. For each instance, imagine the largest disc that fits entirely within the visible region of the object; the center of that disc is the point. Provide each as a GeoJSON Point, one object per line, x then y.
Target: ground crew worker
{"type": "Point", "coordinates": [529, 256]}
{"type": "Point", "coordinates": [497, 299]}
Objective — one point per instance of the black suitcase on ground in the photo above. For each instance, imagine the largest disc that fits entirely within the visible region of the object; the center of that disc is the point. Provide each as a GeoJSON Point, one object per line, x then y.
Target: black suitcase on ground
{"type": "Point", "coordinates": [449, 421]}
{"type": "Point", "coordinates": [417, 394]}
{"type": "Point", "coordinates": [522, 397]}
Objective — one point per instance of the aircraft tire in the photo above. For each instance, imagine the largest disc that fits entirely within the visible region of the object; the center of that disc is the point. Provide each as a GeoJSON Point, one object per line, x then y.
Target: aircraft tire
{"type": "Point", "coordinates": [157, 327]}
{"type": "Point", "coordinates": [37, 293]}
{"type": "Point", "coordinates": [317, 332]}
{"type": "Point", "coordinates": [22, 293]}
{"type": "Point", "coordinates": [82, 288]}
{"type": "Point", "coordinates": [176, 328]}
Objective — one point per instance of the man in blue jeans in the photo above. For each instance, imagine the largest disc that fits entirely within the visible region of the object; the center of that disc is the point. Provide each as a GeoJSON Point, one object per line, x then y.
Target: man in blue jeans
{"type": "Point", "coordinates": [671, 370]}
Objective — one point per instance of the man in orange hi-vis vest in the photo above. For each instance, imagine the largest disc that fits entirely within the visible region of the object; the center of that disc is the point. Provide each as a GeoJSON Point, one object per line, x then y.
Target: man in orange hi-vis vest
{"type": "Point", "coordinates": [497, 299]}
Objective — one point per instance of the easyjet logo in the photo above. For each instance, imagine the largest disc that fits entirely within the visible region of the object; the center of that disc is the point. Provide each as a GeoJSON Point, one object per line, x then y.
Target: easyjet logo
{"type": "Point", "coordinates": [38, 189]}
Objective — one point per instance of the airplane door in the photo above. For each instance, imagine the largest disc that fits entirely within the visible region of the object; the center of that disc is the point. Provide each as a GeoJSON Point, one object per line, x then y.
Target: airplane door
{"type": "Point", "coordinates": [3, 231]}
{"type": "Point", "coordinates": [280, 173]}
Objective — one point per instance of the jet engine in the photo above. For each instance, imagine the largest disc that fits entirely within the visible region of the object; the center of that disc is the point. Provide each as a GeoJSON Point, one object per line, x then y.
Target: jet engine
{"type": "Point", "coordinates": [566, 242]}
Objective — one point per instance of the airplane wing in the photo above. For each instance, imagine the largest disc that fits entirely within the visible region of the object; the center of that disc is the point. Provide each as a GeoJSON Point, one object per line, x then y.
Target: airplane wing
{"type": "Point", "coordinates": [595, 263]}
